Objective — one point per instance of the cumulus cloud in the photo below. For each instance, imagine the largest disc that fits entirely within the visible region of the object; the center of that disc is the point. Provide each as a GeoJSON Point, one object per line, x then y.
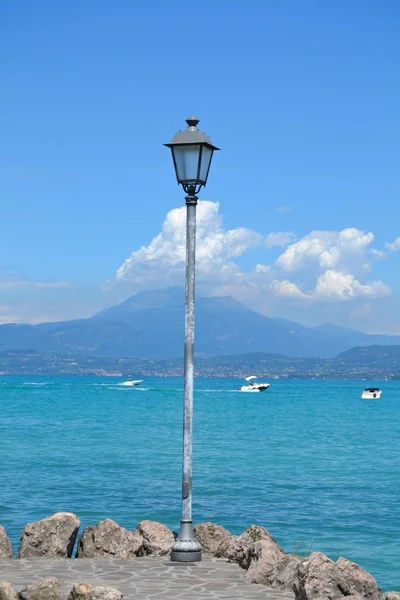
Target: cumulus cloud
{"type": "Point", "coordinates": [162, 261]}
{"type": "Point", "coordinates": [393, 246]}
{"type": "Point", "coordinates": [326, 266]}
{"type": "Point", "coordinates": [344, 286]}
{"type": "Point", "coordinates": [327, 249]}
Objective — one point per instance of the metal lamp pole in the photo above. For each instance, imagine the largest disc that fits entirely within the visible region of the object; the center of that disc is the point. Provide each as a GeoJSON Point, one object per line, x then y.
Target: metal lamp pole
{"type": "Point", "coordinates": [192, 152]}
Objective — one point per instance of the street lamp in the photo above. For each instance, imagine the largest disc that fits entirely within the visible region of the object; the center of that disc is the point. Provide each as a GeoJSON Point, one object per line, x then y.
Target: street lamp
{"type": "Point", "coordinates": [192, 152]}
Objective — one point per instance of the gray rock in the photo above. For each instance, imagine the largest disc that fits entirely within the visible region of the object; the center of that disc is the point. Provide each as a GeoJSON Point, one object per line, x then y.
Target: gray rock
{"type": "Point", "coordinates": [359, 581]}
{"type": "Point", "coordinates": [108, 540]}
{"type": "Point", "coordinates": [391, 596]}
{"type": "Point", "coordinates": [210, 536]}
{"type": "Point", "coordinates": [6, 550]}
{"type": "Point", "coordinates": [47, 589]}
{"type": "Point", "coordinates": [319, 579]}
{"type": "Point", "coordinates": [265, 555]}
{"type": "Point", "coordinates": [241, 549]}
{"type": "Point", "coordinates": [105, 593]}
{"type": "Point", "coordinates": [285, 574]}
{"type": "Point", "coordinates": [158, 539]}
{"type": "Point", "coordinates": [80, 591]}
{"type": "Point", "coordinates": [7, 591]}
{"type": "Point", "coordinates": [51, 537]}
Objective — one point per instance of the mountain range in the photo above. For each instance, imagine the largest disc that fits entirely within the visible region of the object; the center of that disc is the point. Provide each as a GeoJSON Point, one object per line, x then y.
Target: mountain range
{"type": "Point", "coordinates": [151, 325]}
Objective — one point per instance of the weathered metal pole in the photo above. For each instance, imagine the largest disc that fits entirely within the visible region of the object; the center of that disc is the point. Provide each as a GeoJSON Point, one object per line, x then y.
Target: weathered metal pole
{"type": "Point", "coordinates": [186, 549]}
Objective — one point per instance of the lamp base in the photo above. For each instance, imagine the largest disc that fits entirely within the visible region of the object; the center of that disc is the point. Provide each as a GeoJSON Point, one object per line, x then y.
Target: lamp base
{"type": "Point", "coordinates": [186, 548]}
{"type": "Point", "coordinates": [183, 556]}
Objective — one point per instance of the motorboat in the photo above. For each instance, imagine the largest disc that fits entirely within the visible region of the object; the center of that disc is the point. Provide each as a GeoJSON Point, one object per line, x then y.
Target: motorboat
{"type": "Point", "coordinates": [132, 382]}
{"type": "Point", "coordinates": [371, 394]}
{"type": "Point", "coordinates": [253, 385]}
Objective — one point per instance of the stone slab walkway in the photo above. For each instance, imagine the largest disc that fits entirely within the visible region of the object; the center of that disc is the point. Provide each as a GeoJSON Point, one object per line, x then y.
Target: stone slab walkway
{"type": "Point", "coordinates": [143, 578]}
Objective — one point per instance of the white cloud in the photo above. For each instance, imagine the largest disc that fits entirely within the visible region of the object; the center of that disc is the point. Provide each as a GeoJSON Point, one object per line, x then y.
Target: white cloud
{"type": "Point", "coordinates": [328, 250]}
{"type": "Point", "coordinates": [330, 266]}
{"type": "Point", "coordinates": [378, 254]}
{"type": "Point", "coordinates": [344, 286]}
{"type": "Point", "coordinates": [287, 289]}
{"type": "Point", "coordinates": [281, 238]}
{"type": "Point", "coordinates": [162, 261]}
{"type": "Point", "coordinates": [393, 246]}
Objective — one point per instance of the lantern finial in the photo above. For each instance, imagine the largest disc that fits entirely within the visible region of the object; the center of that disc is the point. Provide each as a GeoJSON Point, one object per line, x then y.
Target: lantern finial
{"type": "Point", "coordinates": [192, 121]}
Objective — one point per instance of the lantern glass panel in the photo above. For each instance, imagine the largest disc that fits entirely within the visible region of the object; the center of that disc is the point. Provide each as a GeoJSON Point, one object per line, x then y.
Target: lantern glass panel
{"type": "Point", "coordinates": [206, 157]}
{"type": "Point", "coordinates": [187, 162]}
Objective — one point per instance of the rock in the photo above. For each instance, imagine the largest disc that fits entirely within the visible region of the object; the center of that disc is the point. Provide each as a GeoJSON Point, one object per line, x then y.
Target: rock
{"type": "Point", "coordinates": [7, 591]}
{"type": "Point", "coordinates": [221, 550]}
{"type": "Point", "coordinates": [265, 555]}
{"type": "Point", "coordinates": [80, 591]}
{"type": "Point", "coordinates": [51, 537]}
{"type": "Point", "coordinates": [241, 548]}
{"type": "Point", "coordinates": [391, 596]}
{"type": "Point", "coordinates": [6, 550]}
{"type": "Point", "coordinates": [47, 589]}
{"type": "Point", "coordinates": [284, 575]}
{"type": "Point", "coordinates": [108, 540]}
{"type": "Point", "coordinates": [158, 539]}
{"type": "Point", "coordinates": [105, 593]}
{"type": "Point", "coordinates": [359, 581]}
{"type": "Point", "coordinates": [319, 579]}
{"type": "Point", "coordinates": [210, 536]}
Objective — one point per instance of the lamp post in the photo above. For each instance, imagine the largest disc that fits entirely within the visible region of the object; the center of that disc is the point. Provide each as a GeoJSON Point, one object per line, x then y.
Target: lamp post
{"type": "Point", "coordinates": [192, 152]}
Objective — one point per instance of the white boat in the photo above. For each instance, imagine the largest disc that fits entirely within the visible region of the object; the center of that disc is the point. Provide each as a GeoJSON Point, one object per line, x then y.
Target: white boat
{"type": "Point", "coordinates": [253, 386]}
{"type": "Point", "coordinates": [371, 394]}
{"type": "Point", "coordinates": [132, 382]}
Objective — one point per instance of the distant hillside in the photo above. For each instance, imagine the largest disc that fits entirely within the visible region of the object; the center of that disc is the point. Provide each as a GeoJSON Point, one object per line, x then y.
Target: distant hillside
{"type": "Point", "coordinates": [358, 363]}
{"type": "Point", "coordinates": [151, 325]}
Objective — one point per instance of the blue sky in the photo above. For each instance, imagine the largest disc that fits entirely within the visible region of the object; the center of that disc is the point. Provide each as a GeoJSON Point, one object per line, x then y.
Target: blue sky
{"type": "Point", "coordinates": [302, 97]}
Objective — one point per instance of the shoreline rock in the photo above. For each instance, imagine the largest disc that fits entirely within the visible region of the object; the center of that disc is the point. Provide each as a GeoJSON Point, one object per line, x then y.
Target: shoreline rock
{"type": "Point", "coordinates": [157, 537]}
{"type": "Point", "coordinates": [315, 577]}
{"type": "Point", "coordinates": [6, 550]}
{"type": "Point", "coordinates": [213, 539]}
{"type": "Point", "coordinates": [108, 540]}
{"type": "Point", "coordinates": [52, 537]}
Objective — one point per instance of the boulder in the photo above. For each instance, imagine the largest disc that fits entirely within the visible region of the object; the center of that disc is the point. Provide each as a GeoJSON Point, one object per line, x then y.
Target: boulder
{"type": "Point", "coordinates": [265, 555]}
{"type": "Point", "coordinates": [210, 536]}
{"type": "Point", "coordinates": [6, 550]}
{"type": "Point", "coordinates": [80, 591]}
{"type": "Point", "coordinates": [320, 579]}
{"type": "Point", "coordinates": [47, 589]}
{"type": "Point", "coordinates": [359, 581]}
{"type": "Point", "coordinates": [158, 539]}
{"type": "Point", "coordinates": [391, 596]}
{"type": "Point", "coordinates": [108, 540]}
{"type": "Point", "coordinates": [51, 537]}
{"type": "Point", "coordinates": [284, 575]}
{"type": "Point", "coordinates": [241, 548]}
{"type": "Point", "coordinates": [105, 593]}
{"type": "Point", "coordinates": [7, 591]}
{"type": "Point", "coordinates": [221, 550]}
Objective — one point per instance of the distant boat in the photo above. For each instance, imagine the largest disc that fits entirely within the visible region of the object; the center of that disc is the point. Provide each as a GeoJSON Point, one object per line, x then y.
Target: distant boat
{"type": "Point", "coordinates": [253, 386]}
{"type": "Point", "coordinates": [132, 382]}
{"type": "Point", "coordinates": [371, 394]}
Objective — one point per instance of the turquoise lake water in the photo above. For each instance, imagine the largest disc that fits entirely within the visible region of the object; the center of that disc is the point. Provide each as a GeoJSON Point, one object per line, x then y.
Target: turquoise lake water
{"type": "Point", "coordinates": [309, 460]}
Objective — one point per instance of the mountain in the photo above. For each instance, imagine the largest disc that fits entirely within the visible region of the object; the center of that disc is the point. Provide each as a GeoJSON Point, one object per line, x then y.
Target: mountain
{"type": "Point", "coordinates": [151, 325]}
{"type": "Point", "coordinates": [370, 357]}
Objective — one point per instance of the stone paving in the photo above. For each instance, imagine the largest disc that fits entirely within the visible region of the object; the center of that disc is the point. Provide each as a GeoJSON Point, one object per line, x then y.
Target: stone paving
{"type": "Point", "coordinates": [143, 578]}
